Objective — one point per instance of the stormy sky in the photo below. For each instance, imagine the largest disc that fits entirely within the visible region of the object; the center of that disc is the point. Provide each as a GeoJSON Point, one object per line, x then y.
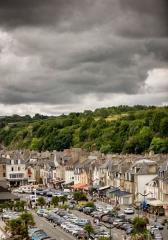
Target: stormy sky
{"type": "Point", "coordinates": [59, 56]}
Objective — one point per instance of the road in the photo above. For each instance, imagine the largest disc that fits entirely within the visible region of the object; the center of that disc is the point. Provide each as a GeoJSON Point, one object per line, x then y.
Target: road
{"type": "Point", "coordinates": [54, 232]}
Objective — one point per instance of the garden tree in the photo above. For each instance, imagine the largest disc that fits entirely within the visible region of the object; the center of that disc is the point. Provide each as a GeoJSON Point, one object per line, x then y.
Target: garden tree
{"type": "Point", "coordinates": [79, 196]}
{"type": "Point", "coordinates": [19, 205]}
{"type": "Point", "coordinates": [63, 199]}
{"type": "Point", "coordinates": [16, 227]}
{"type": "Point", "coordinates": [7, 204]}
{"type": "Point", "coordinates": [90, 204]}
{"type": "Point", "coordinates": [19, 226]}
{"type": "Point", "coordinates": [41, 201]}
{"type": "Point", "coordinates": [89, 229]}
{"type": "Point", "coordinates": [139, 228]}
{"type": "Point", "coordinates": [55, 201]}
{"type": "Point", "coordinates": [27, 220]}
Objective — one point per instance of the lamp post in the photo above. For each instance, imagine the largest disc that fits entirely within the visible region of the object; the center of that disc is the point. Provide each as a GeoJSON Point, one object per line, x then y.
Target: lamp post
{"type": "Point", "coordinates": [144, 195]}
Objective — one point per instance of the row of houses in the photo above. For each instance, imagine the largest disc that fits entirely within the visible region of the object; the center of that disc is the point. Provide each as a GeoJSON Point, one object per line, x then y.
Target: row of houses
{"type": "Point", "coordinates": [128, 179]}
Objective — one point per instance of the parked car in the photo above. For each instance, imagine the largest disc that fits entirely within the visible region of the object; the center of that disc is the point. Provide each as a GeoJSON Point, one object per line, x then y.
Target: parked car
{"type": "Point", "coordinates": [129, 230]}
{"type": "Point", "coordinates": [153, 230]}
{"type": "Point", "coordinates": [32, 230]}
{"type": "Point", "coordinates": [57, 220]}
{"type": "Point", "coordinates": [158, 236]}
{"type": "Point", "coordinates": [117, 221]}
{"type": "Point", "coordinates": [159, 226]}
{"type": "Point", "coordinates": [39, 235]}
{"type": "Point", "coordinates": [88, 210]}
{"type": "Point", "coordinates": [41, 212]}
{"type": "Point", "coordinates": [129, 211]}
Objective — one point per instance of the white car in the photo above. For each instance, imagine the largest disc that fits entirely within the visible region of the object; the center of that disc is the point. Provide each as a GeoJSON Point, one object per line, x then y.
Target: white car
{"type": "Point", "coordinates": [129, 210]}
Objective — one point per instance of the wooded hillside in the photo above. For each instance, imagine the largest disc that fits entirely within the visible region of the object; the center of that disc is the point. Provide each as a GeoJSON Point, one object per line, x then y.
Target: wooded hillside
{"type": "Point", "coordinates": [111, 130]}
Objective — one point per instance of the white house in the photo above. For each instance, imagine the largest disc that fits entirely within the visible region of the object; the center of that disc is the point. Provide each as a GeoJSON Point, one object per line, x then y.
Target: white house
{"type": "Point", "coordinates": [96, 176]}
{"type": "Point", "coordinates": [144, 171]}
{"type": "Point", "coordinates": [69, 175]}
{"type": "Point", "coordinates": [16, 172]}
{"type": "Point", "coordinates": [152, 188]}
{"type": "Point", "coordinates": [44, 175]}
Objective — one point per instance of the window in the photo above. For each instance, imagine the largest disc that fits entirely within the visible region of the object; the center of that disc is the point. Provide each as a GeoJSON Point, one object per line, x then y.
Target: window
{"type": "Point", "coordinates": [4, 174]}
{"type": "Point", "coordinates": [17, 175]}
{"type": "Point", "coordinates": [18, 168]}
{"type": "Point", "coordinates": [12, 169]}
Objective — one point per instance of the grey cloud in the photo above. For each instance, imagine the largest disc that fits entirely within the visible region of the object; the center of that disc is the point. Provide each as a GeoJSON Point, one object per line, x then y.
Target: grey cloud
{"type": "Point", "coordinates": [61, 51]}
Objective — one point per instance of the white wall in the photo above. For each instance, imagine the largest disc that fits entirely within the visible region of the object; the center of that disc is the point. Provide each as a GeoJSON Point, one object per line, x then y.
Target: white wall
{"type": "Point", "coordinates": [76, 178]}
{"type": "Point", "coordinates": [154, 191]}
{"type": "Point", "coordinates": [15, 169]}
{"type": "Point", "coordinates": [142, 180]}
{"type": "Point", "coordinates": [96, 176]}
{"type": "Point", "coordinates": [69, 176]}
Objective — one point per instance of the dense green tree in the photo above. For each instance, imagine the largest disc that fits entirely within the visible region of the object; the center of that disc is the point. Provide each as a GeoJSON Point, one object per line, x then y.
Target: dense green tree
{"type": "Point", "coordinates": [41, 201]}
{"type": "Point", "coordinates": [89, 229]}
{"type": "Point", "coordinates": [19, 205]}
{"type": "Point", "coordinates": [55, 201]}
{"type": "Point", "coordinates": [105, 148]}
{"type": "Point", "coordinates": [79, 196]}
{"type": "Point", "coordinates": [63, 199]}
{"type": "Point", "coordinates": [159, 145]}
{"type": "Point", "coordinates": [156, 119]}
{"type": "Point", "coordinates": [27, 220]}
{"type": "Point", "coordinates": [139, 229]}
{"type": "Point", "coordinates": [113, 129]}
{"type": "Point", "coordinates": [164, 127]}
{"type": "Point", "coordinates": [19, 226]}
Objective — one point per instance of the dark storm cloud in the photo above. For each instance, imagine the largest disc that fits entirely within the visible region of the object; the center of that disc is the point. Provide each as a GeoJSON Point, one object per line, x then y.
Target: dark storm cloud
{"type": "Point", "coordinates": [58, 51]}
{"type": "Point", "coordinates": [131, 17]}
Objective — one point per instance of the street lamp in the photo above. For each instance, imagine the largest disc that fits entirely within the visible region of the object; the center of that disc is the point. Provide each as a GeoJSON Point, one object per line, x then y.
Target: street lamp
{"type": "Point", "coordinates": [144, 196]}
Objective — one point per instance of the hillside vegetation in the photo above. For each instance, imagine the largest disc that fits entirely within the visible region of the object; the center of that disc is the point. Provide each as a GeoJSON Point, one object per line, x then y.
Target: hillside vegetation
{"type": "Point", "coordinates": [111, 130]}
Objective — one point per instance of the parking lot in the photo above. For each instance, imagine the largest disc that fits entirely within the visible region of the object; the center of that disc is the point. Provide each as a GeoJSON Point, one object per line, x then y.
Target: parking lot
{"type": "Point", "coordinates": [101, 217]}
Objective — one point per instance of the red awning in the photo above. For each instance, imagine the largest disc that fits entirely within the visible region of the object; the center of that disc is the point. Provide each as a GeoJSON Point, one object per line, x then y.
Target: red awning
{"type": "Point", "coordinates": [79, 186]}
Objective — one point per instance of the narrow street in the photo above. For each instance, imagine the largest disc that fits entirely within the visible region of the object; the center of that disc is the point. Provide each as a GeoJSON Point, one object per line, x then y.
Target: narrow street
{"type": "Point", "coordinates": [54, 232]}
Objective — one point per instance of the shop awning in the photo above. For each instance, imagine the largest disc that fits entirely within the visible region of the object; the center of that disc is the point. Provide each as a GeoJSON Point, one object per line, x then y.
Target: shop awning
{"type": "Point", "coordinates": [104, 188]}
{"type": "Point", "coordinates": [68, 183]}
{"type": "Point", "coordinates": [80, 186]}
{"type": "Point", "coordinates": [155, 203]}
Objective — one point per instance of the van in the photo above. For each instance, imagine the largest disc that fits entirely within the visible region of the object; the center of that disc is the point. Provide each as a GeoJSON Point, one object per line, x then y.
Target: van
{"type": "Point", "coordinates": [25, 189]}
{"type": "Point", "coordinates": [33, 198]}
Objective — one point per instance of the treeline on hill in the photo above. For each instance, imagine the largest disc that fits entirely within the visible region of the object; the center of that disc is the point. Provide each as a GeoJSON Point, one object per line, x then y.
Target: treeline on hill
{"type": "Point", "coordinates": [123, 129]}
